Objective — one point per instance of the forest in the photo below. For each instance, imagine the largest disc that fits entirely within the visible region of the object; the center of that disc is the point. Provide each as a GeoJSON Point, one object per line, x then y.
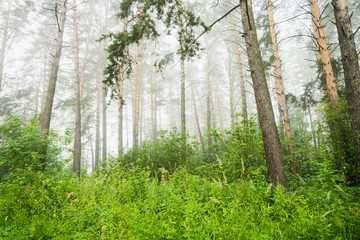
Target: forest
{"type": "Point", "coordinates": [179, 119]}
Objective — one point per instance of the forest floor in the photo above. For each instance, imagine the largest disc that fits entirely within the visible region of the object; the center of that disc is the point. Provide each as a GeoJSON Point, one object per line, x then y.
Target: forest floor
{"type": "Point", "coordinates": [130, 204]}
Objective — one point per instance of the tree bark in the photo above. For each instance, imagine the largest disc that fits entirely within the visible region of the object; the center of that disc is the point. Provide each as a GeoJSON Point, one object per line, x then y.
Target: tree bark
{"type": "Point", "coordinates": [351, 67]}
{"type": "Point", "coordinates": [77, 139]}
{"type": "Point", "coordinates": [267, 122]}
{"type": "Point", "coordinates": [231, 91]}
{"type": "Point", "coordinates": [104, 129]}
{"type": "Point", "coordinates": [98, 100]}
{"type": "Point", "coordinates": [323, 49]}
{"type": "Point", "coordinates": [45, 116]}
{"type": "Point", "coordinates": [136, 96]}
{"type": "Point", "coordinates": [4, 42]}
{"type": "Point", "coordinates": [208, 99]}
{"type": "Point", "coordinates": [121, 102]}
{"type": "Point", "coordinates": [280, 92]}
{"type": "Point", "coordinates": [154, 98]}
{"type": "Point", "coordinates": [82, 78]}
{"type": "Point", "coordinates": [183, 116]}
{"type": "Point", "coordinates": [51, 50]}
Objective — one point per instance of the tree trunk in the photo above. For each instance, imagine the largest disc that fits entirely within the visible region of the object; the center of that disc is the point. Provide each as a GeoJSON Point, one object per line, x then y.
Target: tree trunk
{"type": "Point", "coordinates": [82, 79]}
{"type": "Point", "coordinates": [121, 102]}
{"type": "Point", "coordinates": [280, 92]}
{"type": "Point", "coordinates": [241, 72]}
{"type": "Point", "coordinates": [104, 129]}
{"type": "Point", "coordinates": [136, 96]}
{"type": "Point", "coordinates": [45, 116]}
{"type": "Point", "coordinates": [183, 116]}
{"type": "Point", "coordinates": [4, 41]}
{"type": "Point", "coordinates": [98, 97]}
{"type": "Point", "coordinates": [51, 50]}
{"type": "Point", "coordinates": [323, 48]}
{"type": "Point", "coordinates": [77, 140]}
{"type": "Point", "coordinates": [154, 98]}
{"type": "Point", "coordinates": [231, 91]}
{"type": "Point", "coordinates": [196, 116]}
{"type": "Point", "coordinates": [351, 67]}
{"type": "Point", "coordinates": [208, 99]}
{"type": "Point", "coordinates": [267, 122]}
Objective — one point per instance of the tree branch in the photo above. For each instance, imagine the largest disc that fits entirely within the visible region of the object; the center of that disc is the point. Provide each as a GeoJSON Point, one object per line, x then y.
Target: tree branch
{"type": "Point", "coordinates": [218, 20]}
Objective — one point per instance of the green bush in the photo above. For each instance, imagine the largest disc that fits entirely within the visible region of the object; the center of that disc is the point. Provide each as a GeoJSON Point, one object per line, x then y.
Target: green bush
{"type": "Point", "coordinates": [168, 152]}
{"type": "Point", "coordinates": [239, 150]}
{"type": "Point", "coordinates": [22, 148]}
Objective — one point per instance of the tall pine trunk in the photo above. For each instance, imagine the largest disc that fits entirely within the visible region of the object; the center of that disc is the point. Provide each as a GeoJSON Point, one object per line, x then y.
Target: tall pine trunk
{"type": "Point", "coordinates": [351, 67]}
{"type": "Point", "coordinates": [45, 116]}
{"type": "Point", "coordinates": [98, 114]}
{"type": "Point", "coordinates": [82, 78]}
{"type": "Point", "coordinates": [268, 127]}
{"type": "Point", "coordinates": [208, 99]}
{"type": "Point", "coordinates": [77, 139]}
{"type": "Point", "coordinates": [280, 91]}
{"type": "Point", "coordinates": [121, 102]}
{"type": "Point", "coordinates": [322, 47]}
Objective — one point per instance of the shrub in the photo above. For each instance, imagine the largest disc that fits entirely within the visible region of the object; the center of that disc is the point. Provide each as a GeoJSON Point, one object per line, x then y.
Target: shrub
{"type": "Point", "coordinates": [23, 147]}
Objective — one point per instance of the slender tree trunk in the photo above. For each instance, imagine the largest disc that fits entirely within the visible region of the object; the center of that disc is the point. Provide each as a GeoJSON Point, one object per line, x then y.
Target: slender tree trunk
{"type": "Point", "coordinates": [45, 116]}
{"type": "Point", "coordinates": [51, 50]}
{"type": "Point", "coordinates": [196, 116]}
{"type": "Point", "coordinates": [269, 131]}
{"type": "Point", "coordinates": [351, 67]}
{"type": "Point", "coordinates": [121, 101]}
{"type": "Point", "coordinates": [172, 120]}
{"type": "Point", "coordinates": [183, 116]}
{"type": "Point", "coordinates": [139, 99]}
{"type": "Point", "coordinates": [208, 99]}
{"type": "Point", "coordinates": [4, 41]}
{"type": "Point", "coordinates": [92, 154]}
{"type": "Point", "coordinates": [136, 99]}
{"type": "Point", "coordinates": [104, 129]}
{"type": "Point", "coordinates": [154, 98]}
{"type": "Point", "coordinates": [77, 140]}
{"type": "Point", "coordinates": [98, 104]}
{"type": "Point", "coordinates": [218, 101]}
{"type": "Point", "coordinates": [241, 72]}
{"type": "Point", "coordinates": [232, 89]}
{"type": "Point", "coordinates": [83, 69]}
{"type": "Point", "coordinates": [280, 92]}
{"type": "Point", "coordinates": [323, 48]}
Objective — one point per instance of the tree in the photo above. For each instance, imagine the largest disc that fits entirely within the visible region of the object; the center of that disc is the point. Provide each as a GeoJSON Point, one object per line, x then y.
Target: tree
{"type": "Point", "coordinates": [279, 85]}
{"type": "Point", "coordinates": [322, 47]}
{"type": "Point", "coordinates": [15, 14]}
{"type": "Point", "coordinates": [45, 116]}
{"type": "Point", "coordinates": [267, 122]}
{"type": "Point", "coordinates": [241, 72]}
{"type": "Point", "coordinates": [351, 67]}
{"type": "Point", "coordinates": [77, 140]}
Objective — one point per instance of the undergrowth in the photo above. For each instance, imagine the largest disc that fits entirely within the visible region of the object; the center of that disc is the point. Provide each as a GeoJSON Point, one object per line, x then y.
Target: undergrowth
{"type": "Point", "coordinates": [129, 204]}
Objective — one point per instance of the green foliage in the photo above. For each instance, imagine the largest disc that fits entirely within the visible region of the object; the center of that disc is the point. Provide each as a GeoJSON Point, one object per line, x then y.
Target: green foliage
{"type": "Point", "coordinates": [341, 139]}
{"type": "Point", "coordinates": [126, 203]}
{"type": "Point", "coordinates": [167, 153]}
{"type": "Point", "coordinates": [240, 149]}
{"type": "Point", "coordinates": [22, 148]}
{"type": "Point", "coordinates": [144, 24]}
